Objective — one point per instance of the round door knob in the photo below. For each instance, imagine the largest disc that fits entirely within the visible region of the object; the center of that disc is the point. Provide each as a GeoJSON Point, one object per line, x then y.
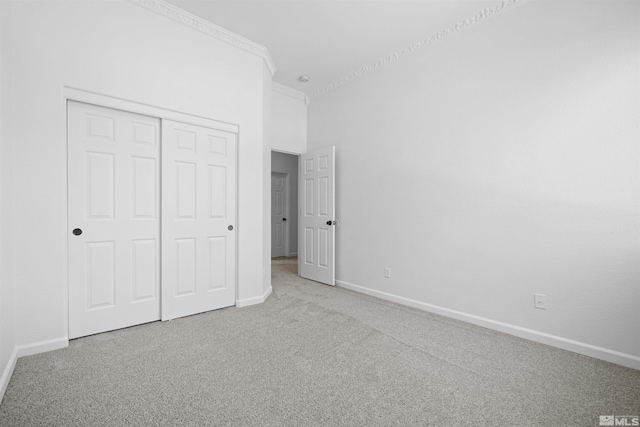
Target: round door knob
{"type": "Point", "coordinates": [77, 231]}
{"type": "Point", "coordinates": [328, 222]}
{"type": "Point", "coordinates": [230, 227]}
{"type": "Point", "coordinates": [284, 219]}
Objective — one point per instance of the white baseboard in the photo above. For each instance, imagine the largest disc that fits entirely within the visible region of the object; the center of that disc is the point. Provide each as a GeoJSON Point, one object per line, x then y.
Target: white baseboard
{"type": "Point", "coordinates": [8, 371]}
{"type": "Point", "coordinates": [601, 353]}
{"type": "Point", "coordinates": [42, 346]}
{"type": "Point", "coordinates": [255, 300]}
{"type": "Point", "coordinates": [27, 350]}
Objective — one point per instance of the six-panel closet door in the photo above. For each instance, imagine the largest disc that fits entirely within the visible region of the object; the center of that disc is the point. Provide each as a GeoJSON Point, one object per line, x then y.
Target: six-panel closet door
{"type": "Point", "coordinates": [151, 219]}
{"type": "Point", "coordinates": [113, 219]}
{"type": "Point", "coordinates": [198, 219]}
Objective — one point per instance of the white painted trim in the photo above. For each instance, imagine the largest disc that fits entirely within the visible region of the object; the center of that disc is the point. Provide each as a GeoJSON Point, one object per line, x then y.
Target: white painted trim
{"type": "Point", "coordinates": [42, 346]}
{"type": "Point", "coordinates": [479, 16]}
{"type": "Point", "coordinates": [255, 300]}
{"type": "Point", "coordinates": [293, 93]}
{"type": "Point", "coordinates": [64, 183]}
{"type": "Point", "coordinates": [75, 94]}
{"type": "Point", "coordinates": [287, 208]}
{"type": "Point", "coordinates": [8, 372]}
{"type": "Point", "coordinates": [286, 151]}
{"type": "Point", "coordinates": [195, 22]}
{"type": "Point", "coordinates": [628, 360]}
{"type": "Point", "coordinates": [28, 350]}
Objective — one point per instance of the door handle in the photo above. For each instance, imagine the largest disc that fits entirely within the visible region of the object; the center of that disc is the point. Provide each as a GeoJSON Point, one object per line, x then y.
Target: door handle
{"type": "Point", "coordinates": [284, 219]}
{"type": "Point", "coordinates": [331, 223]}
{"type": "Point", "coordinates": [230, 228]}
{"type": "Point", "coordinates": [77, 231]}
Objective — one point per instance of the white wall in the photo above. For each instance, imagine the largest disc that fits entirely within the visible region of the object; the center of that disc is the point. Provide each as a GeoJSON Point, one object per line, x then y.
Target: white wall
{"type": "Point", "coordinates": [119, 49]}
{"type": "Point", "coordinates": [500, 162]}
{"type": "Point", "coordinates": [7, 336]}
{"type": "Point", "coordinates": [288, 164]}
{"type": "Point", "coordinates": [288, 121]}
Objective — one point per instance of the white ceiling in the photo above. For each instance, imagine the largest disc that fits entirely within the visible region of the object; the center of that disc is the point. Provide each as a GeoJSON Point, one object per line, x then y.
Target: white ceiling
{"type": "Point", "coordinates": [329, 39]}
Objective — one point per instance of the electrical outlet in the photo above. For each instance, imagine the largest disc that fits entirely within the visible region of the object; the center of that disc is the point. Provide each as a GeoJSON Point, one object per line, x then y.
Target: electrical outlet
{"type": "Point", "coordinates": [540, 301]}
{"type": "Point", "coordinates": [387, 272]}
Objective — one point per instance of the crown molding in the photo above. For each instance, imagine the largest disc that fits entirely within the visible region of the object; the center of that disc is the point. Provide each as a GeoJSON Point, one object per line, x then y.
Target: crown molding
{"type": "Point", "coordinates": [481, 15]}
{"type": "Point", "coordinates": [294, 93]}
{"type": "Point", "coordinates": [176, 14]}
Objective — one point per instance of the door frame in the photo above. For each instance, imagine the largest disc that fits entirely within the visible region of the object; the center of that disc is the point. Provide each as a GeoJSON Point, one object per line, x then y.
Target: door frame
{"type": "Point", "coordinates": [102, 100]}
{"type": "Point", "coordinates": [288, 204]}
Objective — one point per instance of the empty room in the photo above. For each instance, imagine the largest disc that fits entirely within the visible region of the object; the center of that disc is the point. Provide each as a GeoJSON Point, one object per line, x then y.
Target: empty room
{"type": "Point", "coordinates": [320, 212]}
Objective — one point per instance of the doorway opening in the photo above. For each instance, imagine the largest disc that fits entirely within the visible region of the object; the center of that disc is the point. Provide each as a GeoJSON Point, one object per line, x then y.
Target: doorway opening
{"type": "Point", "coordinates": [284, 208]}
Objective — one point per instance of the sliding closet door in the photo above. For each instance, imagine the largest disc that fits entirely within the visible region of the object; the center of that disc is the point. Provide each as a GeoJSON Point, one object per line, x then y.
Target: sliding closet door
{"type": "Point", "coordinates": [113, 221]}
{"type": "Point", "coordinates": [198, 219]}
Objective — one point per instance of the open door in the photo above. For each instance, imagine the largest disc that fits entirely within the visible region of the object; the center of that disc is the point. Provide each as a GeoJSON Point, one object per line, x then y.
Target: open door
{"type": "Point", "coordinates": [317, 222]}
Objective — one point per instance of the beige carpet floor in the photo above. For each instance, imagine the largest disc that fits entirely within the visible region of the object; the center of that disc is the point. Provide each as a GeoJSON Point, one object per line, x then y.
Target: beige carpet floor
{"type": "Point", "coordinates": [313, 355]}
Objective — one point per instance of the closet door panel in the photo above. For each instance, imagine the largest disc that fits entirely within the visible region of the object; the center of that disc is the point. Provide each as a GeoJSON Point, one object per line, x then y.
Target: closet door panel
{"type": "Point", "coordinates": [198, 224]}
{"type": "Point", "coordinates": [113, 218]}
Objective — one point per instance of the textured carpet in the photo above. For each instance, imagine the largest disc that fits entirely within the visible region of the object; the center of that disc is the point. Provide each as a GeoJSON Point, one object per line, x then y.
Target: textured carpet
{"type": "Point", "coordinates": [313, 355]}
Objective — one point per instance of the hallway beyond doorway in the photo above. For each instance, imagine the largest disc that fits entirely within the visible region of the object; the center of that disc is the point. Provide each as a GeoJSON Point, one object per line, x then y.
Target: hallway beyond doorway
{"type": "Point", "coordinates": [288, 263]}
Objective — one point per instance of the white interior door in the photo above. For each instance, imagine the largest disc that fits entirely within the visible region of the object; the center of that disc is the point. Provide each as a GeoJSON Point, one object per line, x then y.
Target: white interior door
{"type": "Point", "coordinates": [317, 190]}
{"type": "Point", "coordinates": [113, 220]}
{"type": "Point", "coordinates": [198, 219]}
{"type": "Point", "coordinates": [278, 215]}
